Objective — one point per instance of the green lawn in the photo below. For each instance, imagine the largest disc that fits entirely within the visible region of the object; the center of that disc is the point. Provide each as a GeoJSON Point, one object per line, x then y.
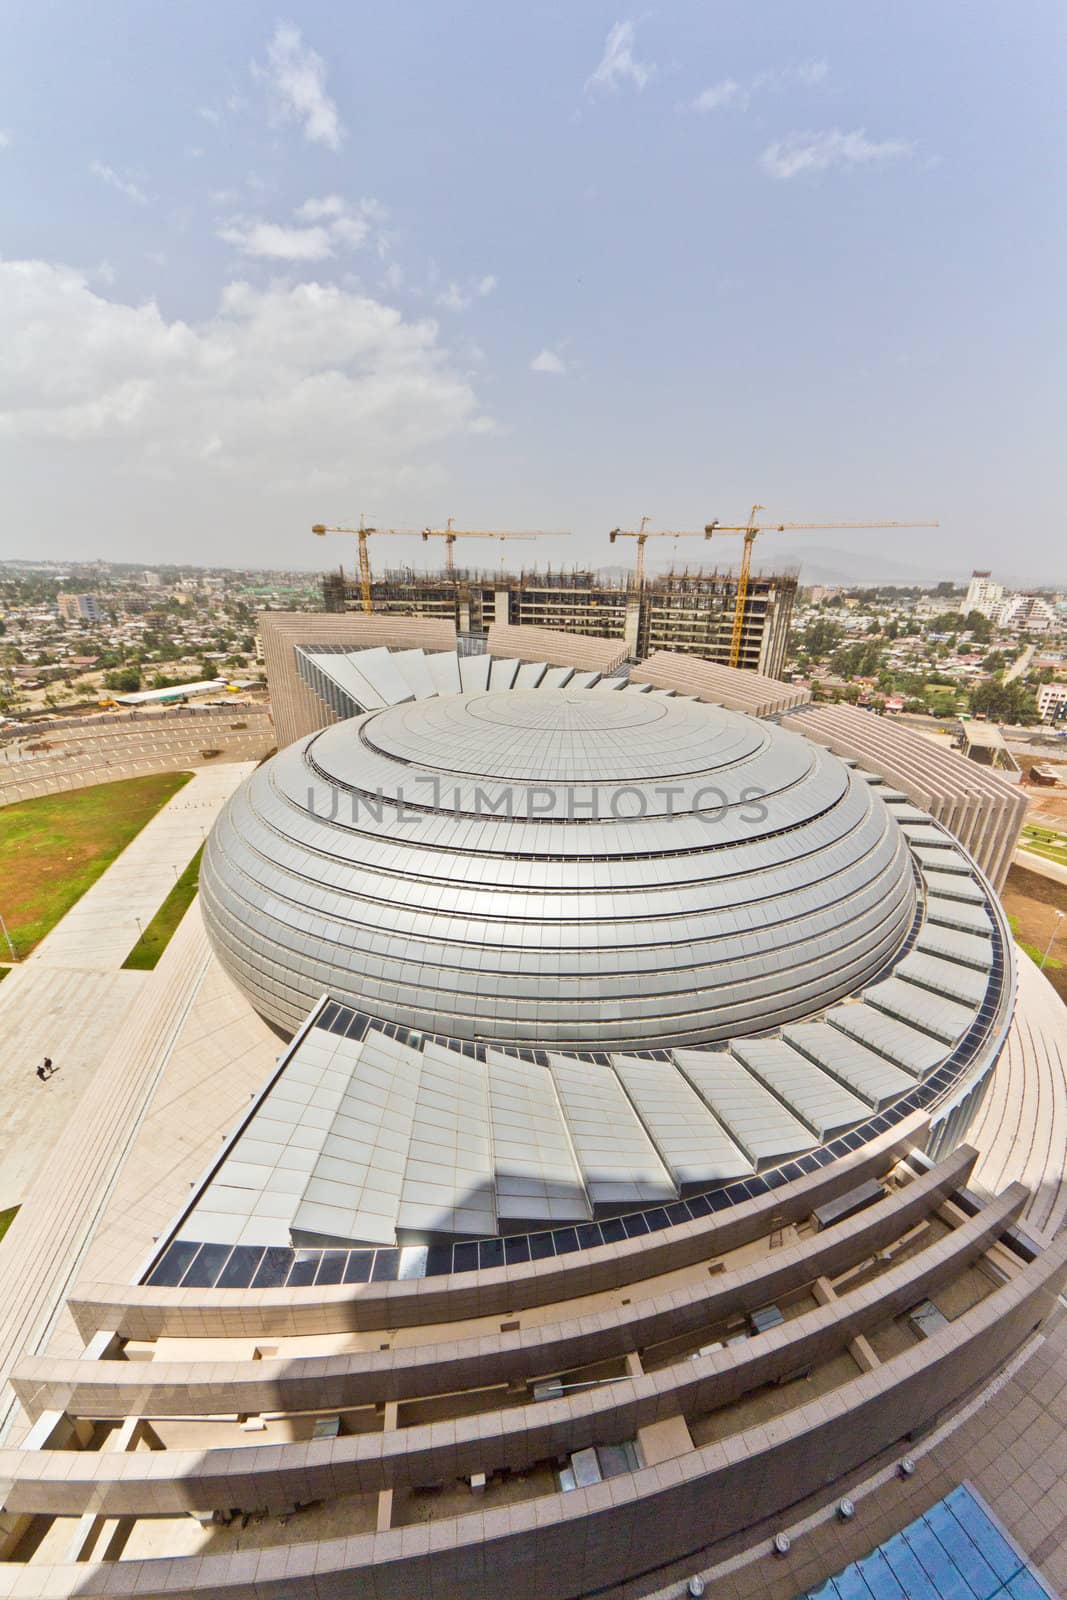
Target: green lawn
{"type": "Point", "coordinates": [7, 1218]}
{"type": "Point", "coordinates": [1044, 842]}
{"type": "Point", "coordinates": [54, 848]}
{"type": "Point", "coordinates": [156, 936]}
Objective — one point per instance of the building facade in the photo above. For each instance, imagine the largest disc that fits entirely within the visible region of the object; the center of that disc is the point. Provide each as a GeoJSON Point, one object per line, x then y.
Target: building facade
{"type": "Point", "coordinates": [983, 594]}
{"type": "Point", "coordinates": [1026, 613]}
{"type": "Point", "coordinates": [688, 612]}
{"type": "Point", "coordinates": [79, 607]}
{"type": "Point", "coordinates": [1051, 701]}
{"type": "Point", "coordinates": [652, 1194]}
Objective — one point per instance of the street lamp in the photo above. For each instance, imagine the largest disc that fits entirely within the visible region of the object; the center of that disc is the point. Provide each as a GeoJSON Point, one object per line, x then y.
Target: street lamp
{"type": "Point", "coordinates": [1052, 935]}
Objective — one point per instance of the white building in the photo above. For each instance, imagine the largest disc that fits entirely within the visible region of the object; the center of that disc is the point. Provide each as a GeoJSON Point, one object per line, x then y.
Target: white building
{"type": "Point", "coordinates": [983, 594]}
{"type": "Point", "coordinates": [1026, 613]}
{"type": "Point", "coordinates": [1052, 701]}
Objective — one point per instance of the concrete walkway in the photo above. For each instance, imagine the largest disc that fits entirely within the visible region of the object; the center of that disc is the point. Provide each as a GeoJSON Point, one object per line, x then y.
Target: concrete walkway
{"type": "Point", "coordinates": [69, 999]}
{"type": "Point", "coordinates": [70, 1016]}
{"type": "Point", "coordinates": [177, 1073]}
{"type": "Point", "coordinates": [1041, 864]}
{"type": "Point", "coordinates": [98, 933]}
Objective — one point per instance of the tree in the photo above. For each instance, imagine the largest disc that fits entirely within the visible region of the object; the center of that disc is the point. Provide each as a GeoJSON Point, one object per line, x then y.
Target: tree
{"type": "Point", "coordinates": [859, 660]}
{"type": "Point", "coordinates": [819, 640]}
{"type": "Point", "coordinates": [946, 622]}
{"type": "Point", "coordinates": [979, 626]}
{"type": "Point", "coordinates": [1004, 702]}
{"type": "Point", "coordinates": [127, 680]}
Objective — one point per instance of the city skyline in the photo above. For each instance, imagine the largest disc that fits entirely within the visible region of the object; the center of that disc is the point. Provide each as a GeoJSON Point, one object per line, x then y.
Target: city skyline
{"type": "Point", "coordinates": [699, 261]}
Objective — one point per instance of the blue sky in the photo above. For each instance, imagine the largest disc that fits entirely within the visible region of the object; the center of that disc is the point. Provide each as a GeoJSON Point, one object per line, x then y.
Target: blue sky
{"type": "Point", "coordinates": [550, 265]}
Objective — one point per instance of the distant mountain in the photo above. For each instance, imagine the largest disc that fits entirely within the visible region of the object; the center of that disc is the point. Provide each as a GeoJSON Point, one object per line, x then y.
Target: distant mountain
{"type": "Point", "coordinates": [822, 564]}
{"type": "Point", "coordinates": [871, 565]}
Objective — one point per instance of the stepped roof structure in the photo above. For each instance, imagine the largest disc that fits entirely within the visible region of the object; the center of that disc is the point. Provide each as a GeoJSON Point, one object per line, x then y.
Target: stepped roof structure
{"type": "Point", "coordinates": [652, 1173]}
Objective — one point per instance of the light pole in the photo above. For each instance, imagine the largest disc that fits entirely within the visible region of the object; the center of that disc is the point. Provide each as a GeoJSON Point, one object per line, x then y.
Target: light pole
{"type": "Point", "coordinates": [1052, 935]}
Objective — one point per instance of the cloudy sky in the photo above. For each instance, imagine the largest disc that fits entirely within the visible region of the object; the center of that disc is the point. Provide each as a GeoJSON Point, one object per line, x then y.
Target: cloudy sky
{"type": "Point", "coordinates": [554, 265]}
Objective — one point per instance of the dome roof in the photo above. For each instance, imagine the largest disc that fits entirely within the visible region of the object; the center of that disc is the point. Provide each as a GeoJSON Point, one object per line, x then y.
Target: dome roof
{"type": "Point", "coordinates": [557, 868]}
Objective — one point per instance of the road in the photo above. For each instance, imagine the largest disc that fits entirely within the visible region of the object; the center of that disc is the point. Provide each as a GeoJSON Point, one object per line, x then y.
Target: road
{"type": "Point", "coordinates": [1018, 668]}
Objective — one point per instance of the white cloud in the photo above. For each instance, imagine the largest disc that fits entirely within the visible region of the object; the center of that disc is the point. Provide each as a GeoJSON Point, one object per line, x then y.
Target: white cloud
{"type": "Point", "coordinates": [328, 222]}
{"type": "Point", "coordinates": [330, 205]}
{"type": "Point", "coordinates": [728, 92]}
{"type": "Point", "coordinates": [275, 242]}
{"type": "Point", "coordinates": [618, 64]}
{"type": "Point", "coordinates": [297, 76]}
{"type": "Point", "coordinates": [209, 114]}
{"type": "Point", "coordinates": [278, 386]}
{"type": "Point", "coordinates": [811, 72]}
{"type": "Point", "coordinates": [351, 231]}
{"type": "Point", "coordinates": [548, 361]}
{"type": "Point", "coordinates": [455, 298]}
{"type": "Point", "coordinates": [800, 153]}
{"type": "Point", "coordinates": [5, 139]}
{"type": "Point", "coordinates": [124, 186]}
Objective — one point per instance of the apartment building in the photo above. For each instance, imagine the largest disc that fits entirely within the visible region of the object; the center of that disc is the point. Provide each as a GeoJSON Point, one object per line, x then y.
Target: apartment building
{"type": "Point", "coordinates": [79, 607]}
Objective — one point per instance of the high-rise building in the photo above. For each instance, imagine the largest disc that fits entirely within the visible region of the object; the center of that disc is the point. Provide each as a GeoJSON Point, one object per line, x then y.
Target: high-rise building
{"type": "Point", "coordinates": [79, 607]}
{"type": "Point", "coordinates": [690, 612]}
{"type": "Point", "coordinates": [983, 594]}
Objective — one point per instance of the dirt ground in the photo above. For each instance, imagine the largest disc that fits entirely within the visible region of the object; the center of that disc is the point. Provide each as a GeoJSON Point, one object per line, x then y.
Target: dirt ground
{"type": "Point", "coordinates": [1046, 805]}
{"type": "Point", "coordinates": [1033, 902]}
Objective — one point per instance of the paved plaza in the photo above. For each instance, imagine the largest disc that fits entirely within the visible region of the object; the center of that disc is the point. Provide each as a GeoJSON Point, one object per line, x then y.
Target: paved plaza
{"type": "Point", "coordinates": [69, 999]}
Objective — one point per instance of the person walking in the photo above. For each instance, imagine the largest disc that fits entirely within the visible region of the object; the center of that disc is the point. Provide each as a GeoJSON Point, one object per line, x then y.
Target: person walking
{"type": "Point", "coordinates": [42, 1074]}
{"type": "Point", "coordinates": [48, 1067]}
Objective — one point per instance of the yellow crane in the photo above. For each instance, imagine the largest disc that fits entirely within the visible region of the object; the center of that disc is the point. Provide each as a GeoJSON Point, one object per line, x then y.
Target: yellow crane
{"type": "Point", "coordinates": [450, 534]}
{"type": "Point", "coordinates": [751, 529]}
{"type": "Point", "coordinates": [362, 534]}
{"type": "Point", "coordinates": [642, 534]}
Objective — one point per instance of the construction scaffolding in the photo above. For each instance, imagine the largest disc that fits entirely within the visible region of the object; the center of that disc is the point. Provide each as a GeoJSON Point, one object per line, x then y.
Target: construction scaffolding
{"type": "Point", "coordinates": [690, 611]}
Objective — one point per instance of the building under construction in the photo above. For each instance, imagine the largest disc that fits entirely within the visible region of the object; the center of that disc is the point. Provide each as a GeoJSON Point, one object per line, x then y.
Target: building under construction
{"type": "Point", "coordinates": [690, 611]}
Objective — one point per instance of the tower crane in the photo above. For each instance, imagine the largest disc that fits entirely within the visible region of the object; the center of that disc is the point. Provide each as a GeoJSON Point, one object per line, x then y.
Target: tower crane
{"type": "Point", "coordinates": [362, 534]}
{"type": "Point", "coordinates": [642, 534]}
{"type": "Point", "coordinates": [450, 534]}
{"type": "Point", "coordinates": [750, 530]}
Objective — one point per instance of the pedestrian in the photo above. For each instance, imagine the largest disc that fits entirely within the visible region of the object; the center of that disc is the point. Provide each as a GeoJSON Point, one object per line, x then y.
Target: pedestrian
{"type": "Point", "coordinates": [48, 1067]}
{"type": "Point", "coordinates": [42, 1074]}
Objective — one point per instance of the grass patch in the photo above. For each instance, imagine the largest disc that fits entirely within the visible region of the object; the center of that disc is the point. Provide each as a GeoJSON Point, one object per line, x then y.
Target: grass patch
{"type": "Point", "coordinates": [54, 848]}
{"type": "Point", "coordinates": [1044, 842]}
{"type": "Point", "coordinates": [1036, 952]}
{"type": "Point", "coordinates": [156, 937]}
{"type": "Point", "coordinates": [7, 1218]}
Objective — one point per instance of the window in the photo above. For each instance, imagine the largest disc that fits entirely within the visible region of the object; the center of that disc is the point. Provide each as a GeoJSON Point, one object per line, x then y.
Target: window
{"type": "Point", "coordinates": [956, 1551]}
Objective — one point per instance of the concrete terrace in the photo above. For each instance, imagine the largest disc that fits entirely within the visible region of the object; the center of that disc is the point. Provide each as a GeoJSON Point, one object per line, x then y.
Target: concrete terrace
{"type": "Point", "coordinates": [69, 999]}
